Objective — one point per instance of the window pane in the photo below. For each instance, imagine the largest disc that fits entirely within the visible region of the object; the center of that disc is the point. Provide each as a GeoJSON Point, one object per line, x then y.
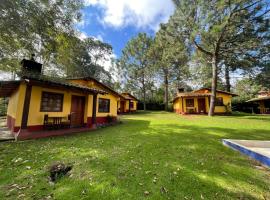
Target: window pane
{"type": "Point", "coordinates": [103, 105]}
{"type": "Point", "coordinates": [51, 102]}
{"type": "Point", "coordinates": [190, 103]}
{"type": "Point", "coordinates": [219, 101]}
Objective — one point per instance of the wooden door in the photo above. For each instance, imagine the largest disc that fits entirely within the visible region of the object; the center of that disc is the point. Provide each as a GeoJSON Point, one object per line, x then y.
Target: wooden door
{"type": "Point", "coordinates": [201, 106]}
{"type": "Point", "coordinates": [122, 106]}
{"type": "Point", "coordinates": [77, 111]}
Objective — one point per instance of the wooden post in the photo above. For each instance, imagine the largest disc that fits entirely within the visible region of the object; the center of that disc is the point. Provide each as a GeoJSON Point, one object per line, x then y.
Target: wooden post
{"type": "Point", "coordinates": [94, 111]}
{"type": "Point", "coordinates": [128, 105]}
{"type": "Point", "coordinates": [26, 106]}
{"type": "Point", "coordinates": [182, 105]}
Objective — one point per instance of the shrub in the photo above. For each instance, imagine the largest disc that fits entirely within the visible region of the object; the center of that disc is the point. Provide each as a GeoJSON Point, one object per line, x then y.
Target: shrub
{"type": "Point", "coordinates": [109, 118]}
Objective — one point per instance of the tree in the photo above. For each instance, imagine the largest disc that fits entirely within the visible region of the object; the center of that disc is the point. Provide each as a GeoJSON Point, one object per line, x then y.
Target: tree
{"type": "Point", "coordinates": [28, 27]}
{"type": "Point", "coordinates": [135, 63]}
{"type": "Point", "coordinates": [169, 58]}
{"type": "Point", "coordinates": [209, 26]}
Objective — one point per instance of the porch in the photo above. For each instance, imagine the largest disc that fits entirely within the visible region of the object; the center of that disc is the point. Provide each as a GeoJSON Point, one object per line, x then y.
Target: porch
{"type": "Point", "coordinates": [192, 104]}
{"type": "Point", "coordinates": [5, 133]}
{"type": "Point", "coordinates": [263, 104]}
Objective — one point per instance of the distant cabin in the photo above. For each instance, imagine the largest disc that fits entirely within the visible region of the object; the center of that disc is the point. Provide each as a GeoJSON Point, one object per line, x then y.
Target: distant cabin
{"type": "Point", "coordinates": [263, 101]}
{"type": "Point", "coordinates": [198, 102]}
{"type": "Point", "coordinates": [128, 103]}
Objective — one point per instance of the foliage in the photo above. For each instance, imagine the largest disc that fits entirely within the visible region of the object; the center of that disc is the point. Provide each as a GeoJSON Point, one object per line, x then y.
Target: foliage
{"type": "Point", "coordinates": [220, 30]}
{"type": "Point", "coordinates": [170, 156]}
{"type": "Point", "coordinates": [46, 28]}
{"type": "Point", "coordinates": [33, 27]}
{"type": "Point", "coordinates": [169, 57]}
{"type": "Point", "coordinates": [135, 64]}
{"type": "Point", "coordinates": [246, 89]}
{"type": "Point", "coordinates": [109, 118]}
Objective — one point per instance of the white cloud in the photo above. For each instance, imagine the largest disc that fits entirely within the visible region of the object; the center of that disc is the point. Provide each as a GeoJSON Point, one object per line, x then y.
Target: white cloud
{"type": "Point", "coordinates": [140, 13]}
{"type": "Point", "coordinates": [99, 37]}
{"type": "Point", "coordinates": [82, 35]}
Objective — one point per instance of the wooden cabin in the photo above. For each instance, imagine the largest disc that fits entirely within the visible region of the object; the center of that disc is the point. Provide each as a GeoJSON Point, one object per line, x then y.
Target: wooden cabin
{"type": "Point", "coordinates": [128, 103]}
{"type": "Point", "coordinates": [198, 102]}
{"type": "Point", "coordinates": [263, 101]}
{"type": "Point", "coordinates": [40, 106]}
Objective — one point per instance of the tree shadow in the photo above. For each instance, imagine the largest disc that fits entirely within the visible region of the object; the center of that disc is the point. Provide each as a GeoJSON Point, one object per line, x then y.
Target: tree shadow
{"type": "Point", "coordinates": [122, 162]}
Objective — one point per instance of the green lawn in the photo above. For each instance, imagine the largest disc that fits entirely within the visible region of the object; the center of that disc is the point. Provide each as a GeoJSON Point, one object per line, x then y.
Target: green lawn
{"type": "Point", "coordinates": [154, 155]}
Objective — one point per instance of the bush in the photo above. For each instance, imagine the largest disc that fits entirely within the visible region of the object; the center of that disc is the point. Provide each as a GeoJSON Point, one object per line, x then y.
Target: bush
{"type": "Point", "coordinates": [109, 118]}
{"type": "Point", "coordinates": [151, 106]}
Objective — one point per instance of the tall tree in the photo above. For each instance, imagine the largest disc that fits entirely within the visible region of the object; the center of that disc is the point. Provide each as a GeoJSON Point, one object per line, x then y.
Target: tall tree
{"type": "Point", "coordinates": [135, 63]}
{"type": "Point", "coordinates": [169, 58]}
{"type": "Point", "coordinates": [210, 28]}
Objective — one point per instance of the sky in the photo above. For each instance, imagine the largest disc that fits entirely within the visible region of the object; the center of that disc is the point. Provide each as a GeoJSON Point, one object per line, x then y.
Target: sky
{"type": "Point", "coordinates": [117, 21]}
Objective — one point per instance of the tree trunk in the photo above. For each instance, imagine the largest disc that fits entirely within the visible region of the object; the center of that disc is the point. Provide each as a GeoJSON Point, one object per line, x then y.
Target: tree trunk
{"type": "Point", "coordinates": [144, 100]}
{"type": "Point", "coordinates": [214, 86]}
{"type": "Point", "coordinates": [166, 93]}
{"type": "Point", "coordinates": [227, 78]}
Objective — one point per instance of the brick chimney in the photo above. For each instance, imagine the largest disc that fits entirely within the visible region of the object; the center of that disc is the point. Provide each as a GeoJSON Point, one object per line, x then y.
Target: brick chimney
{"type": "Point", "coordinates": [180, 90]}
{"type": "Point", "coordinates": [30, 67]}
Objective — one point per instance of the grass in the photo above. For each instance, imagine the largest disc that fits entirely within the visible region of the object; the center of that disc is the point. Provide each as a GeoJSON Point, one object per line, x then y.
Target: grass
{"type": "Point", "coordinates": [155, 155]}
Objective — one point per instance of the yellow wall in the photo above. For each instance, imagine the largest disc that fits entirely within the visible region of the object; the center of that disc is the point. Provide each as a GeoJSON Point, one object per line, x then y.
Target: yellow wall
{"type": "Point", "coordinates": [177, 105]}
{"type": "Point", "coordinates": [113, 105]}
{"type": "Point", "coordinates": [126, 107]}
{"type": "Point", "coordinates": [15, 104]}
{"type": "Point", "coordinates": [113, 98]}
{"type": "Point", "coordinates": [227, 99]}
{"type": "Point", "coordinates": [134, 105]}
{"type": "Point", "coordinates": [36, 117]}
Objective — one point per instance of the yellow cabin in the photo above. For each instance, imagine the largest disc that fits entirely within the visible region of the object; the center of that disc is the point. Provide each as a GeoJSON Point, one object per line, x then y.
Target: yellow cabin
{"type": "Point", "coordinates": [37, 105]}
{"type": "Point", "coordinates": [128, 103]}
{"type": "Point", "coordinates": [198, 102]}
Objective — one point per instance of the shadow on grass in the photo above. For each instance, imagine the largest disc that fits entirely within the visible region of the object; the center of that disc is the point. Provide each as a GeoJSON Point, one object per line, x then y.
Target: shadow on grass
{"type": "Point", "coordinates": [187, 161]}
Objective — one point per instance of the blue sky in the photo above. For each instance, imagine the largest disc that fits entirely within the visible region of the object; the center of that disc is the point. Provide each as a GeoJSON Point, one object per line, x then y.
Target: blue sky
{"type": "Point", "coordinates": [116, 21]}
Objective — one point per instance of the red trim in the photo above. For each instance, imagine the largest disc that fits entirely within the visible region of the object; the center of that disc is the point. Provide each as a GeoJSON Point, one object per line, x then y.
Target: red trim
{"type": "Point", "coordinates": [35, 128]}
{"type": "Point", "coordinates": [16, 129]}
{"type": "Point", "coordinates": [103, 120]}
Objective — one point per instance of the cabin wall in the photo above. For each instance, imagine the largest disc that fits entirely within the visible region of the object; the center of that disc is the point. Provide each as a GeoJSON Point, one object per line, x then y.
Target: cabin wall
{"type": "Point", "coordinates": [134, 105]}
{"type": "Point", "coordinates": [36, 117]}
{"type": "Point", "coordinates": [101, 116]}
{"type": "Point", "coordinates": [15, 108]}
{"type": "Point", "coordinates": [227, 103]}
{"type": "Point", "coordinates": [177, 105]}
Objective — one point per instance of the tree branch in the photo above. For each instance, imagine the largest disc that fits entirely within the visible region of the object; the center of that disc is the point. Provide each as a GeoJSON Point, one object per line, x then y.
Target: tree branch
{"type": "Point", "coordinates": [202, 49]}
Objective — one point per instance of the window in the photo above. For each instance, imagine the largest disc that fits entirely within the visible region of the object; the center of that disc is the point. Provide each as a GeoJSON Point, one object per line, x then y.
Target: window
{"type": "Point", "coordinates": [131, 104]}
{"type": "Point", "coordinates": [190, 102]}
{"type": "Point", "coordinates": [103, 105]}
{"type": "Point", "coordinates": [51, 102]}
{"type": "Point", "coordinates": [219, 101]}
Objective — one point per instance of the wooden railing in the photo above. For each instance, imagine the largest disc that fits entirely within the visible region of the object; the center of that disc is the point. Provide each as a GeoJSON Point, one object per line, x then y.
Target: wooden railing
{"type": "Point", "coordinates": [265, 110]}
